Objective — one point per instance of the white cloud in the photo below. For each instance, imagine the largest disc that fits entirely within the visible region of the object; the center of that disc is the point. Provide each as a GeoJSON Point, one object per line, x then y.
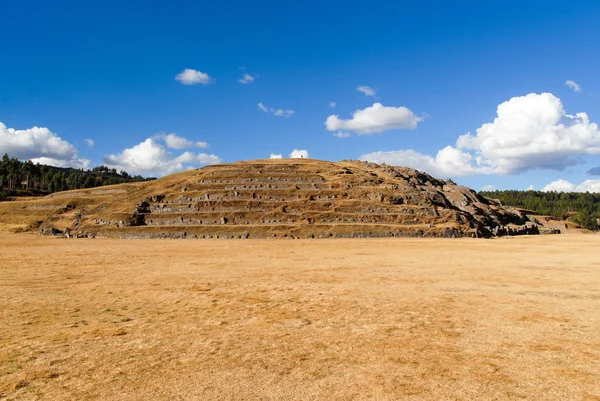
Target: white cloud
{"type": "Point", "coordinates": [559, 186]}
{"type": "Point", "coordinates": [34, 142]}
{"type": "Point", "coordinates": [367, 90]}
{"type": "Point", "coordinates": [296, 154]}
{"type": "Point", "coordinates": [89, 142]}
{"type": "Point", "coordinates": [174, 141]}
{"type": "Point", "coordinates": [204, 158]}
{"type": "Point", "coordinates": [283, 113]}
{"type": "Point", "coordinates": [275, 112]}
{"type": "Point", "coordinates": [448, 162]}
{"type": "Point", "coordinates": [566, 186]}
{"type": "Point", "coordinates": [151, 158]}
{"type": "Point", "coordinates": [332, 104]}
{"type": "Point", "coordinates": [299, 153]}
{"type": "Point", "coordinates": [530, 188]}
{"type": "Point", "coordinates": [73, 163]}
{"type": "Point", "coordinates": [488, 188]}
{"type": "Point", "coordinates": [375, 119]}
{"type": "Point", "coordinates": [246, 79]}
{"type": "Point", "coordinates": [573, 85]}
{"type": "Point", "coordinates": [193, 77]}
{"type": "Point", "coordinates": [529, 132]}
{"type": "Point", "coordinates": [341, 134]}
{"type": "Point", "coordinates": [39, 144]}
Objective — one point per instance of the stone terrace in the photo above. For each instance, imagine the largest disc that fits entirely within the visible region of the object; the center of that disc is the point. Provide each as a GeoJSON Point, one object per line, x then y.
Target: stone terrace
{"type": "Point", "coordinates": [304, 198]}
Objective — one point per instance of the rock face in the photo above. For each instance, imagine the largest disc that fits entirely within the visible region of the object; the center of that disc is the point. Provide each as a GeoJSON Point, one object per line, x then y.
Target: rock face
{"type": "Point", "coordinates": [290, 198]}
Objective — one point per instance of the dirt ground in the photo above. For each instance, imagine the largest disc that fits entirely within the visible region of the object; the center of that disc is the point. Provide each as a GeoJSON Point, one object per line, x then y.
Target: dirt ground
{"type": "Point", "coordinates": [300, 319]}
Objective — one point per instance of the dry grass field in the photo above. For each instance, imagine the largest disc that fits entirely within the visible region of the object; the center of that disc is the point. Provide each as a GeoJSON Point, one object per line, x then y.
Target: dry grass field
{"type": "Point", "coordinates": [300, 319]}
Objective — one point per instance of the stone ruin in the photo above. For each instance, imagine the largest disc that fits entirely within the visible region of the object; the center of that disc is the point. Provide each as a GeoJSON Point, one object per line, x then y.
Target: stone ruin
{"type": "Point", "coordinates": [302, 199]}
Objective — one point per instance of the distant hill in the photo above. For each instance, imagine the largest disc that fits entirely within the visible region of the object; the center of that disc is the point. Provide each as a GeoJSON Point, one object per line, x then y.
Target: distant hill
{"type": "Point", "coordinates": [581, 207]}
{"type": "Point", "coordinates": [286, 198]}
{"type": "Point", "coordinates": [19, 178]}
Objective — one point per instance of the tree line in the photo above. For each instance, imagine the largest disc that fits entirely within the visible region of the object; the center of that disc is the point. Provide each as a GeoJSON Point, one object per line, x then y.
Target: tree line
{"type": "Point", "coordinates": [24, 178]}
{"type": "Point", "coordinates": [584, 207]}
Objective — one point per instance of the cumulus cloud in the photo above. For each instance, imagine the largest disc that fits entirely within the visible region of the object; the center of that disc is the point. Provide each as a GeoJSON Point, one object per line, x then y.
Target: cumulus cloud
{"type": "Point", "coordinates": [275, 112]}
{"type": "Point", "coordinates": [174, 141]}
{"type": "Point", "coordinates": [246, 79]}
{"type": "Point", "coordinates": [448, 162]}
{"type": "Point", "coordinates": [530, 188]}
{"type": "Point", "coordinates": [559, 186]}
{"type": "Point", "coordinates": [299, 153]}
{"type": "Point", "coordinates": [375, 119]}
{"type": "Point", "coordinates": [332, 104]}
{"type": "Point", "coordinates": [573, 85]}
{"type": "Point", "coordinates": [73, 163]}
{"type": "Point", "coordinates": [296, 154]}
{"type": "Point", "coordinates": [488, 188]}
{"type": "Point", "coordinates": [89, 142]}
{"type": "Point", "coordinates": [367, 90]}
{"type": "Point", "coordinates": [341, 134]}
{"type": "Point", "coordinates": [566, 186]}
{"type": "Point", "coordinates": [529, 132]}
{"type": "Point", "coordinates": [39, 144]}
{"type": "Point", "coordinates": [193, 77]}
{"type": "Point", "coordinates": [533, 131]}
{"type": "Point", "coordinates": [204, 159]}
{"type": "Point", "coordinates": [151, 158]}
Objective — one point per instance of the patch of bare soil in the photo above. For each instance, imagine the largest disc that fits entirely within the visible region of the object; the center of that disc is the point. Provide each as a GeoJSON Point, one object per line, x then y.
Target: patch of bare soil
{"type": "Point", "coordinates": [300, 319]}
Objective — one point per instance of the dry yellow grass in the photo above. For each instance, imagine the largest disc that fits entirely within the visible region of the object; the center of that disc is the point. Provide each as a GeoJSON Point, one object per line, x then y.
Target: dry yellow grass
{"type": "Point", "coordinates": [300, 319]}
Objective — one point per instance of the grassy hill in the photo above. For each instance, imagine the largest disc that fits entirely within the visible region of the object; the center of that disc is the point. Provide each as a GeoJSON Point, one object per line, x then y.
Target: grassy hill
{"type": "Point", "coordinates": [19, 178]}
{"type": "Point", "coordinates": [288, 198]}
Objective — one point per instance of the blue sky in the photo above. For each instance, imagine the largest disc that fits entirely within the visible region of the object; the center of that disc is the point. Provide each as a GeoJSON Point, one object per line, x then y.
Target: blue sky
{"type": "Point", "coordinates": [429, 72]}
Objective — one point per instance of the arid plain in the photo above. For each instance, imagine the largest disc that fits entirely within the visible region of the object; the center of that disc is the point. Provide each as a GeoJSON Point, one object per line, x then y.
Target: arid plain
{"type": "Point", "coordinates": [507, 318]}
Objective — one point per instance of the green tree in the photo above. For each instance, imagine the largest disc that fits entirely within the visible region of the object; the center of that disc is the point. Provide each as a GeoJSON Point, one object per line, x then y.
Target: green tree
{"type": "Point", "coordinates": [587, 219]}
